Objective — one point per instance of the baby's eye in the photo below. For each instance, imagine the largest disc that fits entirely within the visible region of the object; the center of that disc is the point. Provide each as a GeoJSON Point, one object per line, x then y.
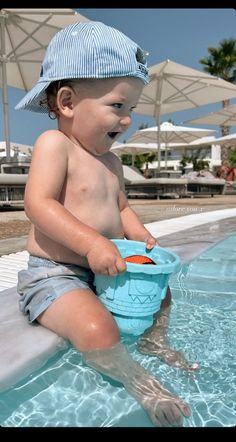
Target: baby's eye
{"type": "Point", "coordinates": [117, 105]}
{"type": "Point", "coordinates": [132, 108]}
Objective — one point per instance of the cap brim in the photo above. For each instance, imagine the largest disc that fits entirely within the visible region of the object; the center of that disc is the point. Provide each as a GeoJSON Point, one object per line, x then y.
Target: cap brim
{"type": "Point", "coordinates": [31, 101]}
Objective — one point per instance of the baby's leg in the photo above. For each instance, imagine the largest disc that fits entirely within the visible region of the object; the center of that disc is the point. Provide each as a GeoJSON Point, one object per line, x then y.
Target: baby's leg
{"type": "Point", "coordinates": [164, 409]}
{"type": "Point", "coordinates": [154, 341]}
{"type": "Point", "coordinates": [80, 317]}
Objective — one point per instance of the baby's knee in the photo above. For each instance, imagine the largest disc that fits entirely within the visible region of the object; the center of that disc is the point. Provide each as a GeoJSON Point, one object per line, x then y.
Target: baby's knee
{"type": "Point", "coordinates": [100, 334]}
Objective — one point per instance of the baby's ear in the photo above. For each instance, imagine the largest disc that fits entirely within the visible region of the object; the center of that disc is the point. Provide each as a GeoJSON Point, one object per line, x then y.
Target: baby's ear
{"type": "Point", "coordinates": [64, 98]}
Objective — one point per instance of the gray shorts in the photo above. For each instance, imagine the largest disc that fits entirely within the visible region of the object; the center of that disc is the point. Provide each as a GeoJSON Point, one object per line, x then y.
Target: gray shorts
{"type": "Point", "coordinates": [45, 281]}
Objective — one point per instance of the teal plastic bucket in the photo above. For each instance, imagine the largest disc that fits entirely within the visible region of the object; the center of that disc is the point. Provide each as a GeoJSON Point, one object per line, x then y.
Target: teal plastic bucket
{"type": "Point", "coordinates": [135, 295]}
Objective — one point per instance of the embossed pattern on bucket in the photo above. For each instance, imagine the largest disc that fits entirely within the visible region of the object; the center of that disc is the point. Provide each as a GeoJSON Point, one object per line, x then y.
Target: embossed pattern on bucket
{"type": "Point", "coordinates": [135, 295]}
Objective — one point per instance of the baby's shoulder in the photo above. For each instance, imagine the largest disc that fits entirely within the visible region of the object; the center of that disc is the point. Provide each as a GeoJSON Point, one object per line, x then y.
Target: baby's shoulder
{"type": "Point", "coordinates": [53, 139]}
{"type": "Point", "coordinates": [50, 136]}
{"type": "Point", "coordinates": [51, 143]}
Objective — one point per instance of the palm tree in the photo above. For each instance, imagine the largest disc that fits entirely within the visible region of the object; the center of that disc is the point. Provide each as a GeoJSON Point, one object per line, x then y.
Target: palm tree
{"type": "Point", "coordinates": [222, 63]}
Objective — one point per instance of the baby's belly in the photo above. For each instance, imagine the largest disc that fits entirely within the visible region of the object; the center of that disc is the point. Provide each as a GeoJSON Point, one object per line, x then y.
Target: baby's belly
{"type": "Point", "coordinates": [101, 216]}
{"type": "Point", "coordinates": [47, 248]}
{"type": "Point", "coordinates": [39, 244]}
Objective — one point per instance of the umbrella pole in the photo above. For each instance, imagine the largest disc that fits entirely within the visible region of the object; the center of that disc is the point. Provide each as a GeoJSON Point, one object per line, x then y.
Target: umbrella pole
{"type": "Point", "coordinates": [166, 151]}
{"type": "Point", "coordinates": [159, 144]}
{"type": "Point", "coordinates": [4, 89]}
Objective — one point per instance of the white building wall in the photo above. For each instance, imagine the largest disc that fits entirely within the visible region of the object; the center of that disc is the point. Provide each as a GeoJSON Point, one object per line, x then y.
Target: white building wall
{"type": "Point", "coordinates": [214, 159]}
{"type": "Point", "coordinates": [216, 155]}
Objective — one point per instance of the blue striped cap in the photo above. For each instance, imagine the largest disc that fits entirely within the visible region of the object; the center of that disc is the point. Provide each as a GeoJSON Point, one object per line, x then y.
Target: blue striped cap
{"type": "Point", "coordinates": [86, 50]}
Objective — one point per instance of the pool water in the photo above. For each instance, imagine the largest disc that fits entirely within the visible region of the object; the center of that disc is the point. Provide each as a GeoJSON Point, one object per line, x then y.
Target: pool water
{"type": "Point", "coordinates": [67, 393]}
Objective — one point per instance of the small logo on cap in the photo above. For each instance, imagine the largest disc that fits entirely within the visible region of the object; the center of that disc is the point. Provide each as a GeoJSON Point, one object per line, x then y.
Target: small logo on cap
{"type": "Point", "coordinates": [140, 56]}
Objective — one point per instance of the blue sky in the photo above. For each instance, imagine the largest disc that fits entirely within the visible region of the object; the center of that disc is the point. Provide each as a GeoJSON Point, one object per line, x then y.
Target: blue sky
{"type": "Point", "coordinates": [182, 35]}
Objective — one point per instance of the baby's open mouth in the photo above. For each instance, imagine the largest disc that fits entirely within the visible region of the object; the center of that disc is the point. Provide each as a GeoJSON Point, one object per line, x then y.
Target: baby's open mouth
{"type": "Point", "coordinates": [113, 134]}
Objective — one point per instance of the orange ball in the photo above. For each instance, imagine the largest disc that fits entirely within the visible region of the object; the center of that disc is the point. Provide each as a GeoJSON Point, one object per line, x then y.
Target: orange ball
{"type": "Point", "coordinates": [139, 259]}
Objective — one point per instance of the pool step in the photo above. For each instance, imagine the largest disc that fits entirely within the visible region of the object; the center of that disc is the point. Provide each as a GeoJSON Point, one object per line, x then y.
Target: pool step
{"type": "Point", "coordinates": [24, 348]}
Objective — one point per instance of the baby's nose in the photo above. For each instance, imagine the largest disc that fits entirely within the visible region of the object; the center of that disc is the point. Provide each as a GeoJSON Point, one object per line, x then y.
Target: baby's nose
{"type": "Point", "coordinates": [126, 120]}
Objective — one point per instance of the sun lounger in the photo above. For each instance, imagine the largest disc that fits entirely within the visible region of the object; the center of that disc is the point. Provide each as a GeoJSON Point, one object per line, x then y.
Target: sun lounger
{"type": "Point", "coordinates": [205, 184]}
{"type": "Point", "coordinates": [12, 189]}
{"type": "Point", "coordinates": [137, 186]}
{"type": "Point", "coordinates": [188, 185]}
{"type": "Point", "coordinates": [157, 188]}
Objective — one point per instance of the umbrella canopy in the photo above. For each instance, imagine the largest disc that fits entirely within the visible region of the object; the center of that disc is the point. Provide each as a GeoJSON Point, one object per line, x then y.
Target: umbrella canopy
{"type": "Point", "coordinates": [193, 145]}
{"type": "Point", "coordinates": [202, 141]}
{"type": "Point", "coordinates": [25, 34]}
{"type": "Point", "coordinates": [224, 117]}
{"type": "Point", "coordinates": [228, 140]}
{"type": "Point", "coordinates": [169, 133]}
{"type": "Point", "coordinates": [136, 148]}
{"type": "Point", "coordinates": [174, 87]}
{"type": "Point", "coordinates": [133, 149]}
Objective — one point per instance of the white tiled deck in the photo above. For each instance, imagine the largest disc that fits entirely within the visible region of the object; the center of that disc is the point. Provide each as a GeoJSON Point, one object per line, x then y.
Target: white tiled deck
{"type": "Point", "coordinates": [10, 266]}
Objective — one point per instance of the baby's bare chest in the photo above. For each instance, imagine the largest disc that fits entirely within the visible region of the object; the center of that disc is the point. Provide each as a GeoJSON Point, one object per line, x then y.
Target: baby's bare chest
{"type": "Point", "coordinates": [91, 180]}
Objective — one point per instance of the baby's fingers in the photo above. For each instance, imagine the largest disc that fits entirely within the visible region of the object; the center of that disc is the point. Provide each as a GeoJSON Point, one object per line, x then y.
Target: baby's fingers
{"type": "Point", "coordinates": [151, 242]}
{"type": "Point", "coordinates": [120, 265]}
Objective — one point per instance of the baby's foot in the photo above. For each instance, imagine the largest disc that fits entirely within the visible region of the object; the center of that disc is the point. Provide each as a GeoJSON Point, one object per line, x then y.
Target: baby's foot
{"type": "Point", "coordinates": [163, 408]}
{"type": "Point", "coordinates": [165, 353]}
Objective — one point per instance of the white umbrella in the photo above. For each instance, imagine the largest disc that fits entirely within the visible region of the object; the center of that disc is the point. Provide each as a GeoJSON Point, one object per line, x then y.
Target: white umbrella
{"type": "Point", "coordinates": [169, 133]}
{"type": "Point", "coordinates": [202, 141]}
{"type": "Point", "coordinates": [139, 148]}
{"type": "Point", "coordinates": [25, 34]}
{"type": "Point", "coordinates": [133, 149]}
{"type": "Point", "coordinates": [224, 117]}
{"type": "Point", "coordinates": [228, 140]}
{"type": "Point", "coordinates": [174, 87]}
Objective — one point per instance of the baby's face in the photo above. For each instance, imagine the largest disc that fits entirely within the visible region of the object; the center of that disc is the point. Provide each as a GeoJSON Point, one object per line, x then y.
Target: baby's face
{"type": "Point", "coordinates": [102, 111]}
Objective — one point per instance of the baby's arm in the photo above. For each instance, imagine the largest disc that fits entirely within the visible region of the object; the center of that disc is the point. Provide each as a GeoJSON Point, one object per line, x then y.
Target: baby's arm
{"type": "Point", "coordinates": [43, 207]}
{"type": "Point", "coordinates": [133, 228]}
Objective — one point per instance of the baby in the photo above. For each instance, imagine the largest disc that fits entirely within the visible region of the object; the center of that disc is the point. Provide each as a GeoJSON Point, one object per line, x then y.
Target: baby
{"type": "Point", "coordinates": [91, 79]}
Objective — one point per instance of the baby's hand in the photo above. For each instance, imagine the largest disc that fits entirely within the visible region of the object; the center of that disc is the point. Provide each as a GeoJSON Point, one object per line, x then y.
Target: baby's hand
{"type": "Point", "coordinates": [104, 258]}
{"type": "Point", "coordinates": [151, 242]}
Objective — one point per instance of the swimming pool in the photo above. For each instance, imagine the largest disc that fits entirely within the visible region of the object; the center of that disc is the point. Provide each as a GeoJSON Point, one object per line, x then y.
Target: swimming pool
{"type": "Point", "coordinates": [67, 393]}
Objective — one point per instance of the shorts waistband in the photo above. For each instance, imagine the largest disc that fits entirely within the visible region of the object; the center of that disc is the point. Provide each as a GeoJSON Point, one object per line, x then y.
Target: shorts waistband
{"type": "Point", "coordinates": [38, 260]}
